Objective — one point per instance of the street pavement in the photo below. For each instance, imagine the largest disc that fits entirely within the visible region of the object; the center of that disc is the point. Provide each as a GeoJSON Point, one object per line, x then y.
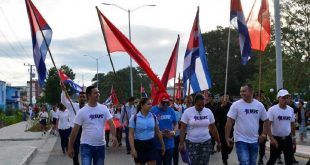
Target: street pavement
{"type": "Point", "coordinates": [22, 148]}
{"type": "Point", "coordinates": [118, 156]}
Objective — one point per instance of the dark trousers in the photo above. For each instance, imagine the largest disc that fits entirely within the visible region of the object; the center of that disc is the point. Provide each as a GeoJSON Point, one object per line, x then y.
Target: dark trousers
{"type": "Point", "coordinates": [164, 159]}
{"type": "Point", "coordinates": [176, 150]}
{"type": "Point", "coordinates": [64, 138]}
{"type": "Point", "coordinates": [225, 150]}
{"type": "Point", "coordinates": [119, 134]}
{"type": "Point", "coordinates": [126, 138]}
{"type": "Point", "coordinates": [262, 149]}
{"type": "Point", "coordinates": [77, 147]}
{"type": "Point", "coordinates": [107, 137]}
{"type": "Point", "coordinates": [285, 144]}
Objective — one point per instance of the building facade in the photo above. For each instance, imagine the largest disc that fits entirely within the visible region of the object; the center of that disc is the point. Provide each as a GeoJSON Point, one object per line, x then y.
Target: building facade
{"type": "Point", "coordinates": [2, 95]}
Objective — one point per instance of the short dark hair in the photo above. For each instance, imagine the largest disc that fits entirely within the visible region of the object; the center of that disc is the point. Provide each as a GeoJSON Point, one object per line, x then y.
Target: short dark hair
{"type": "Point", "coordinates": [131, 99]}
{"type": "Point", "coordinates": [198, 97]}
{"type": "Point", "coordinates": [250, 87]}
{"type": "Point", "coordinates": [82, 93]}
{"type": "Point", "coordinates": [89, 89]}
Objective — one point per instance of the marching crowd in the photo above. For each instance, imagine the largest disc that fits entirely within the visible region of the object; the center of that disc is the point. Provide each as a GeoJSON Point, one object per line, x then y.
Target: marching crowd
{"type": "Point", "coordinates": [193, 129]}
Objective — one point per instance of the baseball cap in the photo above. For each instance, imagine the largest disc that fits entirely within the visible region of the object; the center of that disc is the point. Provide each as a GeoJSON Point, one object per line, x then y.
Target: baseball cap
{"type": "Point", "coordinates": [164, 97]}
{"type": "Point", "coordinates": [282, 93]}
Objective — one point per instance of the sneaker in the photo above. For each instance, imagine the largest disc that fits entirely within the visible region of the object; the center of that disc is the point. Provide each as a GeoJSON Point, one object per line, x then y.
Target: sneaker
{"type": "Point", "coordinates": [225, 162]}
{"type": "Point", "coordinates": [260, 162]}
{"type": "Point", "coordinates": [128, 152]}
{"type": "Point", "coordinates": [295, 161]}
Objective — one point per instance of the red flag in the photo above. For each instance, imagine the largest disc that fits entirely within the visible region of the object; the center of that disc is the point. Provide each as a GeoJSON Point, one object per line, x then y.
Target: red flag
{"type": "Point", "coordinates": [153, 91]}
{"type": "Point", "coordinates": [114, 97]}
{"type": "Point", "coordinates": [172, 65]}
{"type": "Point", "coordinates": [123, 44]}
{"type": "Point", "coordinates": [258, 24]}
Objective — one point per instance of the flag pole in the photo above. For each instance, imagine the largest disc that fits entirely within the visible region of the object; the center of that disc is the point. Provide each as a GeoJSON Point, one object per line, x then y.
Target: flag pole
{"type": "Point", "coordinates": [175, 74]}
{"type": "Point", "coordinates": [260, 54]}
{"type": "Point", "coordinates": [48, 49]}
{"type": "Point", "coordinates": [105, 40]}
{"type": "Point", "coordinates": [227, 60]}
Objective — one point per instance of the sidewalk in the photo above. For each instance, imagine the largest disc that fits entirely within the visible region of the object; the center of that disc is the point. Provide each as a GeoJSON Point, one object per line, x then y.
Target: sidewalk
{"type": "Point", "coordinates": [19, 147]}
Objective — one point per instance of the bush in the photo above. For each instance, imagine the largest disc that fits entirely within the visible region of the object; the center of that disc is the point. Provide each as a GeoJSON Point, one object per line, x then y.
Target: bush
{"type": "Point", "coordinates": [10, 117]}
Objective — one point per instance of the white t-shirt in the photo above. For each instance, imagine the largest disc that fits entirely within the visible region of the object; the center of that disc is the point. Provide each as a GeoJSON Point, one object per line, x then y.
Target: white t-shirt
{"type": "Point", "coordinates": [281, 120]}
{"type": "Point", "coordinates": [43, 115]}
{"type": "Point", "coordinates": [92, 120]}
{"type": "Point", "coordinates": [63, 119]}
{"type": "Point", "coordinates": [247, 116]}
{"type": "Point", "coordinates": [197, 124]}
{"type": "Point", "coordinates": [54, 114]}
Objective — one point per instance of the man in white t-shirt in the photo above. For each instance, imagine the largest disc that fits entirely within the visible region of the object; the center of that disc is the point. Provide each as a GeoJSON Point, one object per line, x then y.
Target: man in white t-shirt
{"type": "Point", "coordinates": [73, 109]}
{"type": "Point", "coordinates": [92, 117]}
{"type": "Point", "coordinates": [282, 121]}
{"type": "Point", "coordinates": [246, 113]}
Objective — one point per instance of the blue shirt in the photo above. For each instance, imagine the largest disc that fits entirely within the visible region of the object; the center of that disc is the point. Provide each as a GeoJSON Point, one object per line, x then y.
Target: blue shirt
{"type": "Point", "coordinates": [144, 126]}
{"type": "Point", "coordinates": [167, 120]}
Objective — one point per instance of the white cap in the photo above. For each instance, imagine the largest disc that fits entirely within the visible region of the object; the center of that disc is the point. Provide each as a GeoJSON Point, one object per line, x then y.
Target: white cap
{"type": "Point", "coordinates": [282, 93]}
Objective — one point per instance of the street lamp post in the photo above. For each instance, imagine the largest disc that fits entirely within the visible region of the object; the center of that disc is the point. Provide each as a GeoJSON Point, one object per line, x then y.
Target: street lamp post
{"type": "Point", "coordinates": [96, 58]}
{"type": "Point", "coordinates": [129, 11]}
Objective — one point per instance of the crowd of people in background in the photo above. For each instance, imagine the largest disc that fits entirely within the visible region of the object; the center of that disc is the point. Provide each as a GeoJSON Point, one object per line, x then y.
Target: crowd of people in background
{"type": "Point", "coordinates": [194, 127]}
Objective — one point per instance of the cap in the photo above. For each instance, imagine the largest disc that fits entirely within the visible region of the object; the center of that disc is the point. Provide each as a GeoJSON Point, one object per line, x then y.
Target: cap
{"type": "Point", "coordinates": [282, 93]}
{"type": "Point", "coordinates": [164, 97]}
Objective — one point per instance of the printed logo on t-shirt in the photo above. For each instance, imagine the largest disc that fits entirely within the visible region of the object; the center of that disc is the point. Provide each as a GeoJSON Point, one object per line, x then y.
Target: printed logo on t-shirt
{"type": "Point", "coordinates": [200, 117]}
{"type": "Point", "coordinates": [284, 118]}
{"type": "Point", "coordinates": [96, 116]}
{"type": "Point", "coordinates": [251, 111]}
{"type": "Point", "coordinates": [163, 117]}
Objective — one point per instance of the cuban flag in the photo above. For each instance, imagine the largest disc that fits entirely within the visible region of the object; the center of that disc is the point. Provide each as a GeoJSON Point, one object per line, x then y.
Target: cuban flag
{"type": "Point", "coordinates": [66, 80]}
{"type": "Point", "coordinates": [196, 75]}
{"type": "Point", "coordinates": [238, 20]}
{"type": "Point", "coordinates": [39, 27]}
{"type": "Point", "coordinates": [108, 101]}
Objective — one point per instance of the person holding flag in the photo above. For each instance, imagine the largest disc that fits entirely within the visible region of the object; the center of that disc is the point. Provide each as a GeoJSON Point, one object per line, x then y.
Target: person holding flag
{"type": "Point", "coordinates": [72, 112]}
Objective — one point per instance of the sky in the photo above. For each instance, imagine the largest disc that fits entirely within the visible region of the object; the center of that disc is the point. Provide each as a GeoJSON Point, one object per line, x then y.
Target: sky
{"type": "Point", "coordinates": [77, 34]}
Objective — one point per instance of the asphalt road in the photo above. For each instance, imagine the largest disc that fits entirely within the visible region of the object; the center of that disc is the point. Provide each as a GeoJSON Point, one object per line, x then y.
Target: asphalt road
{"type": "Point", "coordinates": [118, 156]}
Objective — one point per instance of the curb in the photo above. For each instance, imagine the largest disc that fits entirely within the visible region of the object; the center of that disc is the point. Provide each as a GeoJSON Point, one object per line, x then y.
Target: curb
{"type": "Point", "coordinates": [29, 156]}
{"type": "Point", "coordinates": [21, 139]}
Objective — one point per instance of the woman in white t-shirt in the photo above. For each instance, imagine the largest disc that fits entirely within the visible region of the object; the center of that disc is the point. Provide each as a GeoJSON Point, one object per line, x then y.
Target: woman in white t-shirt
{"type": "Point", "coordinates": [54, 119]}
{"type": "Point", "coordinates": [63, 125]}
{"type": "Point", "coordinates": [43, 116]}
{"type": "Point", "coordinates": [198, 121]}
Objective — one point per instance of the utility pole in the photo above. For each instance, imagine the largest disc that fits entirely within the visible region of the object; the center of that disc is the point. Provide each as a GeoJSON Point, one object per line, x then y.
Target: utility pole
{"type": "Point", "coordinates": [30, 81]}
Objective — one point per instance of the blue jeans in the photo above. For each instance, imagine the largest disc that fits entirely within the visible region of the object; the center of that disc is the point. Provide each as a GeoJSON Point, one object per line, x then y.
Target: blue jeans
{"type": "Point", "coordinates": [166, 159]}
{"type": "Point", "coordinates": [95, 154]}
{"type": "Point", "coordinates": [247, 152]}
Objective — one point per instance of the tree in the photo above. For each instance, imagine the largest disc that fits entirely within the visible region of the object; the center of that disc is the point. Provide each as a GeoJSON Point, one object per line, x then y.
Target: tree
{"type": "Point", "coordinates": [216, 47]}
{"type": "Point", "coordinates": [296, 44]}
{"type": "Point", "coordinates": [121, 83]}
{"type": "Point", "coordinates": [52, 88]}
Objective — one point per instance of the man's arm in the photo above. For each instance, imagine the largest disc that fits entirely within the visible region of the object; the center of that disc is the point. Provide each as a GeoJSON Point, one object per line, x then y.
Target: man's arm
{"type": "Point", "coordinates": [113, 131]}
{"type": "Point", "coordinates": [228, 128]}
{"type": "Point", "coordinates": [72, 138]}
